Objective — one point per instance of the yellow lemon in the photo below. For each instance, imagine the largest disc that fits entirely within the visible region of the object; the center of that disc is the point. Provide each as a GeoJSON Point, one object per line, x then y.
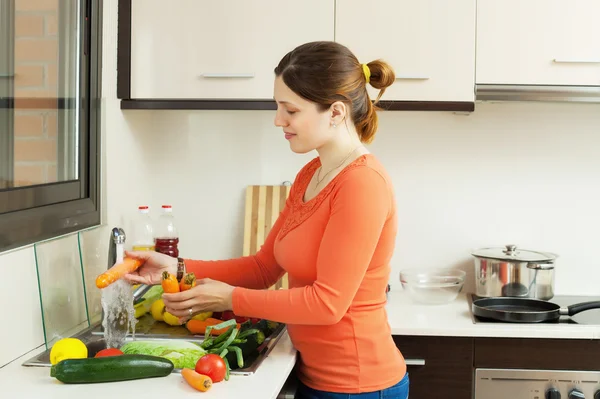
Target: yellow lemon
{"type": "Point", "coordinates": [158, 309]}
{"type": "Point", "coordinates": [202, 316]}
{"type": "Point", "coordinates": [68, 348]}
{"type": "Point", "coordinates": [171, 319]}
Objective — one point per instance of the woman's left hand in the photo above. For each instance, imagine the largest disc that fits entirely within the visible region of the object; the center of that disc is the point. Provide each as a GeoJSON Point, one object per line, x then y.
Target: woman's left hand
{"type": "Point", "coordinates": [207, 296]}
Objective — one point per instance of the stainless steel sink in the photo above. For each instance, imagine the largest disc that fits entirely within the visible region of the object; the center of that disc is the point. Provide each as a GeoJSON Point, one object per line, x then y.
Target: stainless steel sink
{"type": "Point", "coordinates": [93, 338]}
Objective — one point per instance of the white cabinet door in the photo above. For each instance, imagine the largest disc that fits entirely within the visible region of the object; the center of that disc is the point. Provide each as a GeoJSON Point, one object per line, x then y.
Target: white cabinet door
{"type": "Point", "coordinates": [224, 49]}
{"type": "Point", "coordinates": [429, 43]}
{"type": "Point", "coordinates": [538, 42]}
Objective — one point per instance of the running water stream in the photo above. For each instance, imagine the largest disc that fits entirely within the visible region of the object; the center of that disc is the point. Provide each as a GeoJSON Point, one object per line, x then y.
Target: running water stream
{"type": "Point", "coordinates": [118, 312]}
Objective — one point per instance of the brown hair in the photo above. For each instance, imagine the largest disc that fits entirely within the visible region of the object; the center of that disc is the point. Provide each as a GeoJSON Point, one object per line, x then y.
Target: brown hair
{"type": "Point", "coordinates": [325, 72]}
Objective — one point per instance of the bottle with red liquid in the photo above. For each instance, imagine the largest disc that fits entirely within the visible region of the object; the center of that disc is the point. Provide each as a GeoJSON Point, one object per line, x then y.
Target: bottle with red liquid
{"type": "Point", "coordinates": [167, 237]}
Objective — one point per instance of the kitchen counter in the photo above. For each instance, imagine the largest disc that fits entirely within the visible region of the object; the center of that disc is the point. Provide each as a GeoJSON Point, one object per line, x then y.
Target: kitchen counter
{"type": "Point", "coordinates": [405, 318]}
{"type": "Point", "coordinates": [455, 319]}
{"type": "Point", "coordinates": [33, 382]}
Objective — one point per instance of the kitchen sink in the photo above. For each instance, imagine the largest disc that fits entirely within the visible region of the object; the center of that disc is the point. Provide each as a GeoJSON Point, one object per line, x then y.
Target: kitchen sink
{"type": "Point", "coordinates": [93, 338]}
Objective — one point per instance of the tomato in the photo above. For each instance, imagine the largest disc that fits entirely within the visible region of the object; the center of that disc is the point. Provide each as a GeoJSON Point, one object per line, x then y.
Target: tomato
{"type": "Point", "coordinates": [109, 352]}
{"type": "Point", "coordinates": [213, 366]}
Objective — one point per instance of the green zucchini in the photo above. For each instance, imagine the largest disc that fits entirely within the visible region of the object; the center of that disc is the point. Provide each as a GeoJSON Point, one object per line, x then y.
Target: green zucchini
{"type": "Point", "coordinates": [110, 369]}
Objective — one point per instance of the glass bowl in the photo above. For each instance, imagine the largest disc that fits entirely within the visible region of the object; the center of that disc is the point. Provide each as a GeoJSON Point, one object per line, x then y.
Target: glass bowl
{"type": "Point", "coordinates": [433, 286]}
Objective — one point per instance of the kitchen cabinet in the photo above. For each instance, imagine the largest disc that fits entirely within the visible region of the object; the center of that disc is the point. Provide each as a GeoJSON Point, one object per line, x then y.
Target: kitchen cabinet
{"type": "Point", "coordinates": [538, 42]}
{"type": "Point", "coordinates": [438, 367]}
{"type": "Point", "coordinates": [190, 49]}
{"type": "Point", "coordinates": [429, 43]}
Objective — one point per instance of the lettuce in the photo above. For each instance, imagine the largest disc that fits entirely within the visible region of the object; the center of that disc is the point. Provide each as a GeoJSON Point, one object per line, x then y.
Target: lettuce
{"type": "Point", "coordinates": [183, 354]}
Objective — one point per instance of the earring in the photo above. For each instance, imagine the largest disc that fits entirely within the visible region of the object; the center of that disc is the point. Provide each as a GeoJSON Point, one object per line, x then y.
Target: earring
{"type": "Point", "coordinates": [334, 125]}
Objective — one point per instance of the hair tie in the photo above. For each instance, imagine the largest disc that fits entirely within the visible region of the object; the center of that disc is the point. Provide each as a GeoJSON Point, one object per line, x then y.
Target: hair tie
{"type": "Point", "coordinates": [366, 72]}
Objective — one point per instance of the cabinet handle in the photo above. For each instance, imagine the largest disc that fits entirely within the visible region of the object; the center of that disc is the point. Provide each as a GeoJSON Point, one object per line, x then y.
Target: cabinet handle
{"type": "Point", "coordinates": [414, 362]}
{"type": "Point", "coordinates": [559, 61]}
{"type": "Point", "coordinates": [227, 75]}
{"type": "Point", "coordinates": [412, 77]}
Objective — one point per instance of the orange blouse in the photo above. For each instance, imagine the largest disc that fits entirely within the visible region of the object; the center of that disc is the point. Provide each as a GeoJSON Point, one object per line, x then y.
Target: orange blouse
{"type": "Point", "coordinates": [336, 249]}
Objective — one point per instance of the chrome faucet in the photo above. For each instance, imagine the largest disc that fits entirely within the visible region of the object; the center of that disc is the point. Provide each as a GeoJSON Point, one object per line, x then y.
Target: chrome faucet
{"type": "Point", "coordinates": [116, 250]}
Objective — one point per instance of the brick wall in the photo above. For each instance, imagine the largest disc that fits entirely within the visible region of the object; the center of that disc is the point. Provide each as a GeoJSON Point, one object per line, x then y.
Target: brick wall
{"type": "Point", "coordinates": [36, 77]}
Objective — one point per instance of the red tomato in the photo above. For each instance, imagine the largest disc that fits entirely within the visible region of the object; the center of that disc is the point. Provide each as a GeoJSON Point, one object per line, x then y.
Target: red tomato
{"type": "Point", "coordinates": [213, 366]}
{"type": "Point", "coordinates": [109, 352]}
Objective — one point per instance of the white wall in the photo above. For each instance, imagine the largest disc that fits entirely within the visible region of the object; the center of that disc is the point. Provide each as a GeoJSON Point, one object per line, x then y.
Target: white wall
{"type": "Point", "coordinates": [524, 174]}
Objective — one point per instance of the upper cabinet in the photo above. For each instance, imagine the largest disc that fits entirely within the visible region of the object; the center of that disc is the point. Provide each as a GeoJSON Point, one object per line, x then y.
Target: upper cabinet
{"type": "Point", "coordinates": [227, 49]}
{"type": "Point", "coordinates": [429, 43]}
{"type": "Point", "coordinates": [538, 42]}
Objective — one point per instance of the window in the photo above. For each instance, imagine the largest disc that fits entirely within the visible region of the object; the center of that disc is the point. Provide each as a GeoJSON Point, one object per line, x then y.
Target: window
{"type": "Point", "coordinates": [49, 118]}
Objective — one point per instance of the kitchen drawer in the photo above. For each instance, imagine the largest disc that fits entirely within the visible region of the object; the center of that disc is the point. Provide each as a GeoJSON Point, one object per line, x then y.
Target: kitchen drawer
{"type": "Point", "coordinates": [530, 353]}
{"type": "Point", "coordinates": [438, 366]}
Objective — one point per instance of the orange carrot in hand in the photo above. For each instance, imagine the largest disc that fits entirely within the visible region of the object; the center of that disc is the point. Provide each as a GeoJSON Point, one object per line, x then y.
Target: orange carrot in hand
{"type": "Point", "coordinates": [196, 380]}
{"type": "Point", "coordinates": [116, 272]}
{"type": "Point", "coordinates": [187, 282]}
{"type": "Point", "coordinates": [169, 283]}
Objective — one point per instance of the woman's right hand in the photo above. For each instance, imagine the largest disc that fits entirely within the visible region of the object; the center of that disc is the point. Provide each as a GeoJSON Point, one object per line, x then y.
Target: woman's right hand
{"type": "Point", "coordinates": [150, 273]}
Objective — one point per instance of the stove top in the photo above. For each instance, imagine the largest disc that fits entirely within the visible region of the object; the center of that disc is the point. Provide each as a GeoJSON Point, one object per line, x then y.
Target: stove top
{"type": "Point", "coordinates": [588, 317]}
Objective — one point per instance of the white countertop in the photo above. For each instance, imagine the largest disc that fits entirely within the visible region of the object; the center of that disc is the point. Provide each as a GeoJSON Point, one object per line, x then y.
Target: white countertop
{"type": "Point", "coordinates": [17, 381]}
{"type": "Point", "coordinates": [454, 319]}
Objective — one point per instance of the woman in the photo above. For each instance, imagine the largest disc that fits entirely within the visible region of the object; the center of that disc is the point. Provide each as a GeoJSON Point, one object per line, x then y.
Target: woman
{"type": "Point", "coordinates": [334, 238]}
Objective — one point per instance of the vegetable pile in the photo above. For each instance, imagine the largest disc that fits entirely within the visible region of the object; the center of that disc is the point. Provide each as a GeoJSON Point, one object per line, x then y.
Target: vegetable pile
{"type": "Point", "coordinates": [226, 346]}
{"type": "Point", "coordinates": [230, 342]}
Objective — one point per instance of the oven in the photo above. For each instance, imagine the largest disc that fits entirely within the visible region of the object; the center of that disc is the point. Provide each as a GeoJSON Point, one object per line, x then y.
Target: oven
{"type": "Point", "coordinates": [555, 377]}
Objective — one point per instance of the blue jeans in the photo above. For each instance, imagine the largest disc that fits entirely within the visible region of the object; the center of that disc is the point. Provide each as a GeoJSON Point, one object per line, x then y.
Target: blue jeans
{"type": "Point", "coordinates": [398, 391]}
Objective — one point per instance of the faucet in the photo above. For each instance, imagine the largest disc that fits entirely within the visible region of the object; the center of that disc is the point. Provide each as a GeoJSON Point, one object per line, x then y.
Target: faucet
{"type": "Point", "coordinates": [116, 250]}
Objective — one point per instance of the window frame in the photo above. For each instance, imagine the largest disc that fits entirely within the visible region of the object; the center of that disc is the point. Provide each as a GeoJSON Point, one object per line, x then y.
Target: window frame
{"type": "Point", "coordinates": [35, 213]}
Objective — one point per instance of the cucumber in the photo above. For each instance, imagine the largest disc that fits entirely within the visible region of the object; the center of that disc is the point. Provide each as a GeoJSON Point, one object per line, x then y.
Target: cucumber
{"type": "Point", "coordinates": [110, 369]}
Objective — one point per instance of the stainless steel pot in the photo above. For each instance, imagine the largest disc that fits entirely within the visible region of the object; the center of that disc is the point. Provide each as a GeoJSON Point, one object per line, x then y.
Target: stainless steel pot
{"type": "Point", "coordinates": [512, 272]}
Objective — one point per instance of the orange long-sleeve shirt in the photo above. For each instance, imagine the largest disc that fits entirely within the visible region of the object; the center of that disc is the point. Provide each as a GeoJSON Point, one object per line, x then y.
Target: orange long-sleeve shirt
{"type": "Point", "coordinates": [336, 249]}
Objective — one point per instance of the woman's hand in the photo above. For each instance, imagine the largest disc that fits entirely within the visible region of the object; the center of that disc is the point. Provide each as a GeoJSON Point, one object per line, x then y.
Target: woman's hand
{"type": "Point", "coordinates": [154, 264]}
{"type": "Point", "coordinates": [207, 296]}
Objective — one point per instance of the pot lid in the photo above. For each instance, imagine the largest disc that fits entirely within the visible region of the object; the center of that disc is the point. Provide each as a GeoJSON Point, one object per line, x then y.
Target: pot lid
{"type": "Point", "coordinates": [512, 253]}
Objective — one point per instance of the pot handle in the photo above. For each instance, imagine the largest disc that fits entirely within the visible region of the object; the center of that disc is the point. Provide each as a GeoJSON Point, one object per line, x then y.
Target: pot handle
{"type": "Point", "coordinates": [541, 266]}
{"type": "Point", "coordinates": [583, 306]}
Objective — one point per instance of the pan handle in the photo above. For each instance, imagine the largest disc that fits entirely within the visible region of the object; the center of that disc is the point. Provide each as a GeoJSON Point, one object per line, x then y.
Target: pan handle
{"type": "Point", "coordinates": [580, 307]}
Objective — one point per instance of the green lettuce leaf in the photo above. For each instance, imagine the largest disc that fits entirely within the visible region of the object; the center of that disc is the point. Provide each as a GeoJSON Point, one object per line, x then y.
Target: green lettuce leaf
{"type": "Point", "coordinates": [183, 354]}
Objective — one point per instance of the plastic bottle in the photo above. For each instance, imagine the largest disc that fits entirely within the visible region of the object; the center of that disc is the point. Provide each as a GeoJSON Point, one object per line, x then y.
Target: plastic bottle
{"type": "Point", "coordinates": [143, 231]}
{"type": "Point", "coordinates": [167, 238]}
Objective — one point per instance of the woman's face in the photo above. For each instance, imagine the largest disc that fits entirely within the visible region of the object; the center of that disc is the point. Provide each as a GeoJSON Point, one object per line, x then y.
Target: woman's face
{"type": "Point", "coordinates": [303, 125]}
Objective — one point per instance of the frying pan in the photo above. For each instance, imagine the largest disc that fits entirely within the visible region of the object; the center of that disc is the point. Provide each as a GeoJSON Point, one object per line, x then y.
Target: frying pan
{"type": "Point", "coordinates": [526, 310]}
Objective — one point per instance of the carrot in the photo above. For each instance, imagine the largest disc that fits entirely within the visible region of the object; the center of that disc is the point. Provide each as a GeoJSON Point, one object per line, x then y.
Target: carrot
{"type": "Point", "coordinates": [187, 282]}
{"type": "Point", "coordinates": [199, 326]}
{"type": "Point", "coordinates": [169, 283]}
{"type": "Point", "coordinates": [196, 380]}
{"type": "Point", "coordinates": [117, 271]}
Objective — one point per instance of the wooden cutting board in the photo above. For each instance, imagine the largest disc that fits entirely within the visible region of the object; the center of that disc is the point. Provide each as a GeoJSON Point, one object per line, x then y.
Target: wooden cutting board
{"type": "Point", "coordinates": [263, 206]}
